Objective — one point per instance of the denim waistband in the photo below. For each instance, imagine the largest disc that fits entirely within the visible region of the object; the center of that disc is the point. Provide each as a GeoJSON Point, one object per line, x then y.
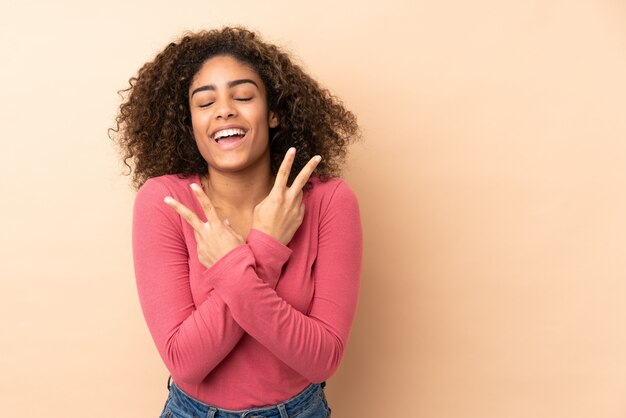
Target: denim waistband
{"type": "Point", "coordinates": [284, 409]}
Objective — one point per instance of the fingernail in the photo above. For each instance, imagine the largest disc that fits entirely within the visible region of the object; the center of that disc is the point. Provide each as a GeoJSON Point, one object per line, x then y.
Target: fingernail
{"type": "Point", "coordinates": [195, 187]}
{"type": "Point", "coordinates": [318, 158]}
{"type": "Point", "coordinates": [168, 200]}
{"type": "Point", "coordinates": [292, 150]}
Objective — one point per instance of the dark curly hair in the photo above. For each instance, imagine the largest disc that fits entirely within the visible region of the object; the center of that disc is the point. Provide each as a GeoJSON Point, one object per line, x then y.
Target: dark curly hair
{"type": "Point", "coordinates": [153, 125]}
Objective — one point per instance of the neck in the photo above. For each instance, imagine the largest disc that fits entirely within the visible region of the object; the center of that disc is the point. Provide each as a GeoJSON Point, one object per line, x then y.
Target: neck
{"type": "Point", "coordinates": [238, 191]}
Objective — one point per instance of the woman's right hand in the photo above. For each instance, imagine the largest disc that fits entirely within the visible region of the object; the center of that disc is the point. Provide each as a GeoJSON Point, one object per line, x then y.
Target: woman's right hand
{"type": "Point", "coordinates": [282, 211]}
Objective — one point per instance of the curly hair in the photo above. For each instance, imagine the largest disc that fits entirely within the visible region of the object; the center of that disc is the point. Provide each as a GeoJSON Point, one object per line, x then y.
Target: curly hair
{"type": "Point", "coordinates": [153, 125]}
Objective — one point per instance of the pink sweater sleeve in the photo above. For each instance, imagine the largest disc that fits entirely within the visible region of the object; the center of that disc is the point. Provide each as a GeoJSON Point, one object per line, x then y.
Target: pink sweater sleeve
{"type": "Point", "coordinates": [312, 344]}
{"type": "Point", "coordinates": [191, 340]}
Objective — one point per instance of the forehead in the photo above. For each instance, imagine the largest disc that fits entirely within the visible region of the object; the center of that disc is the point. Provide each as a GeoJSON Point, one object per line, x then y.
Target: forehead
{"type": "Point", "coordinates": [221, 69]}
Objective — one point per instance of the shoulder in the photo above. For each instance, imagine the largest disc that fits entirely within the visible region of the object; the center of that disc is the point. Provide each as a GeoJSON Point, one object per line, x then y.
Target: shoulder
{"type": "Point", "coordinates": [149, 209]}
{"type": "Point", "coordinates": [170, 182]}
{"type": "Point", "coordinates": [153, 191]}
{"type": "Point", "coordinates": [331, 192]}
{"type": "Point", "coordinates": [161, 186]}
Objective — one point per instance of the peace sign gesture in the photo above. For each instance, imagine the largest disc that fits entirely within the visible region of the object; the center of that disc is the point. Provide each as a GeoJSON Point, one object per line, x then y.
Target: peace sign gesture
{"type": "Point", "coordinates": [278, 215]}
{"type": "Point", "coordinates": [282, 211]}
{"type": "Point", "coordinates": [214, 237]}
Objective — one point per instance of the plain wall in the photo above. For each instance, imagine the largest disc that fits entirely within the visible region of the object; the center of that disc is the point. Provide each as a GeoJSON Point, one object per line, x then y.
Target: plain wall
{"type": "Point", "coordinates": [491, 180]}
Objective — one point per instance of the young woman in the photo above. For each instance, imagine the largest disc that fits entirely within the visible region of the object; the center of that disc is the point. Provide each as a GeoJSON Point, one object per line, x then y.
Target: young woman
{"type": "Point", "coordinates": [247, 245]}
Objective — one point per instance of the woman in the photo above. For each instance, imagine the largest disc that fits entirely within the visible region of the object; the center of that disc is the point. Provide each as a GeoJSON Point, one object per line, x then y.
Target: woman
{"type": "Point", "coordinates": [247, 261]}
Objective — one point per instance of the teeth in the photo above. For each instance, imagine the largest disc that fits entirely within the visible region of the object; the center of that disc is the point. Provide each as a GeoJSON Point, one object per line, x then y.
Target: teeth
{"type": "Point", "coordinates": [228, 132]}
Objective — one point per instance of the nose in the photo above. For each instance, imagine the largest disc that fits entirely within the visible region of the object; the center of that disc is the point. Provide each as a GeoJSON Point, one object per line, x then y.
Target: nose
{"type": "Point", "coordinates": [225, 110]}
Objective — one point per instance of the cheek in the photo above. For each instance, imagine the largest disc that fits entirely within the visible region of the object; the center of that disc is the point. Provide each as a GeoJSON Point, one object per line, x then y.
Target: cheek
{"type": "Point", "coordinates": [198, 124]}
{"type": "Point", "coordinates": [259, 116]}
{"type": "Point", "coordinates": [199, 129]}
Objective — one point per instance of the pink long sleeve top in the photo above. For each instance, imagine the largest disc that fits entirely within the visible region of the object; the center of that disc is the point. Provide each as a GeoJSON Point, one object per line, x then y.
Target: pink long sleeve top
{"type": "Point", "coordinates": [266, 319]}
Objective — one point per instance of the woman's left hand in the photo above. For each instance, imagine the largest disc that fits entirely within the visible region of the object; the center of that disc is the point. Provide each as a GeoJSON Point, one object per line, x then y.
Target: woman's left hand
{"type": "Point", "coordinates": [215, 238]}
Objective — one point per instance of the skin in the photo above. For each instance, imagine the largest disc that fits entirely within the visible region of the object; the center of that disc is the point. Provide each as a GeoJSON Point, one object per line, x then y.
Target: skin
{"type": "Point", "coordinates": [239, 191]}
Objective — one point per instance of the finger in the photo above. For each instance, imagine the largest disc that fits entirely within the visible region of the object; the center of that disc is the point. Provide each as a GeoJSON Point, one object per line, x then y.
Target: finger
{"type": "Point", "coordinates": [304, 174]}
{"type": "Point", "coordinates": [285, 168]}
{"type": "Point", "coordinates": [205, 202]}
{"type": "Point", "coordinates": [188, 215]}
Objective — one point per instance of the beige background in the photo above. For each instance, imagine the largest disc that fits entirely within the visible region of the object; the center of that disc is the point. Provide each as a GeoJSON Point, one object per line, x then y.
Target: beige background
{"type": "Point", "coordinates": [491, 180]}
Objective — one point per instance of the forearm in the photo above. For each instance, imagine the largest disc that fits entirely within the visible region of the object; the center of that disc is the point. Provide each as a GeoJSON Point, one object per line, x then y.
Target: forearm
{"type": "Point", "coordinates": [192, 340]}
{"type": "Point", "coordinates": [312, 343]}
{"type": "Point", "coordinates": [306, 344]}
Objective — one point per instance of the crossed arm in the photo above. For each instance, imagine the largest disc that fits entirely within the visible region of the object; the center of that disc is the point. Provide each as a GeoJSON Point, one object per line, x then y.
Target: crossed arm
{"type": "Point", "coordinates": [192, 340]}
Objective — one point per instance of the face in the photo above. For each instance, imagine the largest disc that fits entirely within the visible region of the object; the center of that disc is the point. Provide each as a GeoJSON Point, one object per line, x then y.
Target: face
{"type": "Point", "coordinates": [230, 116]}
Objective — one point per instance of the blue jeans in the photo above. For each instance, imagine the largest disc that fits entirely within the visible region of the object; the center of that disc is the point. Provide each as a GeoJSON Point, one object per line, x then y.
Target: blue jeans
{"type": "Point", "coordinates": [309, 403]}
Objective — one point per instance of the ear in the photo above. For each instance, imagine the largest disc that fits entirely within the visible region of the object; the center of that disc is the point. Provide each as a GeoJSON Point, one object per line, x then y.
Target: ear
{"type": "Point", "coordinates": [273, 120]}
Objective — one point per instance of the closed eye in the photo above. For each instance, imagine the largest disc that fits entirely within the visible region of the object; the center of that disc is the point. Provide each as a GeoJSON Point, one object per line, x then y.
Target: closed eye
{"type": "Point", "coordinates": [240, 99]}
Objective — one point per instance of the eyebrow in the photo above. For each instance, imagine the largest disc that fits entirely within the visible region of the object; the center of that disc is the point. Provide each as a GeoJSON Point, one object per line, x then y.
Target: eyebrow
{"type": "Point", "coordinates": [231, 84]}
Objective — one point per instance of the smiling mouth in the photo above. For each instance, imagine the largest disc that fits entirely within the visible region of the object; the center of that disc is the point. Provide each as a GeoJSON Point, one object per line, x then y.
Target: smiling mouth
{"type": "Point", "coordinates": [229, 135]}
